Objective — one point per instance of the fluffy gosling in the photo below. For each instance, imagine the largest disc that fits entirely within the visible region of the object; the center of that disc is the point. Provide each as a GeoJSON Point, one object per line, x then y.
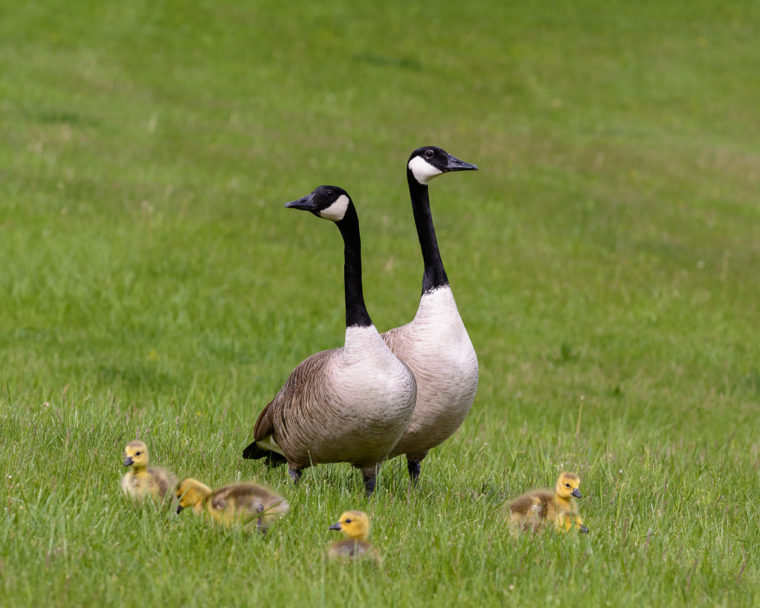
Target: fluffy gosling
{"type": "Point", "coordinates": [355, 525]}
{"type": "Point", "coordinates": [142, 480]}
{"type": "Point", "coordinates": [536, 509]}
{"type": "Point", "coordinates": [235, 503]}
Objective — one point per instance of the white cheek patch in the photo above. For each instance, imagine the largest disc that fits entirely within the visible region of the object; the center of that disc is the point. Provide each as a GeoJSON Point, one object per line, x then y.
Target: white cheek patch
{"type": "Point", "coordinates": [422, 170]}
{"type": "Point", "coordinates": [337, 210]}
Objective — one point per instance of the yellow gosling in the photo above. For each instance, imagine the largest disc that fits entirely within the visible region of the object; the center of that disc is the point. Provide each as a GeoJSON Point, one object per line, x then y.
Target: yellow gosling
{"type": "Point", "coordinates": [141, 480]}
{"type": "Point", "coordinates": [536, 509]}
{"type": "Point", "coordinates": [355, 525]}
{"type": "Point", "coordinates": [232, 504]}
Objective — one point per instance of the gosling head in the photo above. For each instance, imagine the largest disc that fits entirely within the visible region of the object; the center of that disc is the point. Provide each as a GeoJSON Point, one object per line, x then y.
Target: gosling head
{"type": "Point", "coordinates": [567, 485]}
{"type": "Point", "coordinates": [329, 202]}
{"type": "Point", "coordinates": [190, 493]}
{"type": "Point", "coordinates": [354, 524]}
{"type": "Point", "coordinates": [430, 161]}
{"type": "Point", "coordinates": [136, 455]}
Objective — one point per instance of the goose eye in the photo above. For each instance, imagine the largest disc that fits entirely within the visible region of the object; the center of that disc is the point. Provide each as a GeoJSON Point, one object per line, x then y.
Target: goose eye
{"type": "Point", "coordinates": [348, 521]}
{"type": "Point", "coordinates": [428, 154]}
{"type": "Point", "coordinates": [567, 485]}
{"type": "Point", "coordinates": [138, 453]}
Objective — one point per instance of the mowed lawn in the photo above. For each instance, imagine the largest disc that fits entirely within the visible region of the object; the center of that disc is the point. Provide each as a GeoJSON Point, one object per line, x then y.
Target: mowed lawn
{"type": "Point", "coordinates": [605, 259]}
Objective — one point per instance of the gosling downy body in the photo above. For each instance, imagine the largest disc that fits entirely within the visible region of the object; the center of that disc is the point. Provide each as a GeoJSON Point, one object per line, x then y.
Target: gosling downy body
{"type": "Point", "coordinates": [539, 508]}
{"type": "Point", "coordinates": [233, 504]}
{"type": "Point", "coordinates": [435, 344]}
{"type": "Point", "coordinates": [141, 480]}
{"type": "Point", "coordinates": [355, 526]}
{"type": "Point", "coordinates": [348, 404]}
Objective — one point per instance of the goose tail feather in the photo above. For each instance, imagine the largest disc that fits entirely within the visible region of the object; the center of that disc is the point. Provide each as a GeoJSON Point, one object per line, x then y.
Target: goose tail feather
{"type": "Point", "coordinates": [254, 452]}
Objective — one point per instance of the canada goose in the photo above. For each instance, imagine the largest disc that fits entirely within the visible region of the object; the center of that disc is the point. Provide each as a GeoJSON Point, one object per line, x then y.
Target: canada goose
{"type": "Point", "coordinates": [348, 404]}
{"type": "Point", "coordinates": [355, 525]}
{"type": "Point", "coordinates": [142, 480]}
{"type": "Point", "coordinates": [533, 510]}
{"type": "Point", "coordinates": [435, 344]}
{"type": "Point", "coordinates": [235, 503]}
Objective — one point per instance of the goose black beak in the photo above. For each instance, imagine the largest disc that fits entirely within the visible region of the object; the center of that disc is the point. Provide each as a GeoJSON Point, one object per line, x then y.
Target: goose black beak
{"type": "Point", "coordinates": [179, 509]}
{"type": "Point", "coordinates": [577, 493]}
{"type": "Point", "coordinates": [584, 530]}
{"type": "Point", "coordinates": [335, 527]}
{"type": "Point", "coordinates": [455, 164]}
{"type": "Point", "coordinates": [306, 203]}
{"type": "Point", "coordinates": [128, 461]}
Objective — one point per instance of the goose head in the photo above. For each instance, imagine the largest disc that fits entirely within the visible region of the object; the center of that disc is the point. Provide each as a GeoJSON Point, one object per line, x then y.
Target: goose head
{"type": "Point", "coordinates": [191, 493]}
{"type": "Point", "coordinates": [329, 202]}
{"type": "Point", "coordinates": [567, 485]}
{"type": "Point", "coordinates": [430, 161]}
{"type": "Point", "coordinates": [354, 524]}
{"type": "Point", "coordinates": [136, 455]}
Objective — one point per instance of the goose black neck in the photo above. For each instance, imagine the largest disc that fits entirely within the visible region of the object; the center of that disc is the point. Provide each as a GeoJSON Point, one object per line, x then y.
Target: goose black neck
{"type": "Point", "coordinates": [356, 311]}
{"type": "Point", "coordinates": [435, 274]}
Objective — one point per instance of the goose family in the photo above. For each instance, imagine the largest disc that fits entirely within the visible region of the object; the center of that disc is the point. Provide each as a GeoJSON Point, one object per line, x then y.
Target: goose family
{"type": "Point", "coordinates": [435, 344]}
{"type": "Point", "coordinates": [536, 509]}
{"type": "Point", "coordinates": [349, 404]}
{"type": "Point", "coordinates": [234, 503]}
{"type": "Point", "coordinates": [141, 480]}
{"type": "Point", "coordinates": [355, 526]}
{"type": "Point", "coordinates": [376, 397]}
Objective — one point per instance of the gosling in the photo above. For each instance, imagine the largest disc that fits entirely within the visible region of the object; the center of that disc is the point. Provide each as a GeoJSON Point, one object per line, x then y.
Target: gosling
{"type": "Point", "coordinates": [142, 481]}
{"type": "Point", "coordinates": [234, 504]}
{"type": "Point", "coordinates": [355, 525]}
{"type": "Point", "coordinates": [536, 509]}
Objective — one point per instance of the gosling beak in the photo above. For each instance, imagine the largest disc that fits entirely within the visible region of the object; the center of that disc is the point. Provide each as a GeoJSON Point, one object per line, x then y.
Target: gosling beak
{"type": "Point", "coordinates": [179, 509]}
{"type": "Point", "coordinates": [335, 527]}
{"type": "Point", "coordinates": [455, 164]}
{"type": "Point", "coordinates": [577, 493]}
{"type": "Point", "coordinates": [583, 530]}
{"type": "Point", "coordinates": [306, 203]}
{"type": "Point", "coordinates": [128, 461]}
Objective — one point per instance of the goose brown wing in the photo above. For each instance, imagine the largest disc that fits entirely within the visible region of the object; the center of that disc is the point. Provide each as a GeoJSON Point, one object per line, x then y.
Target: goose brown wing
{"type": "Point", "coordinates": [303, 392]}
{"type": "Point", "coordinates": [263, 427]}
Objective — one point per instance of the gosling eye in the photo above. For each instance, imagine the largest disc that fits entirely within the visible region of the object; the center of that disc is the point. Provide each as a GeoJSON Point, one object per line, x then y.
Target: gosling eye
{"type": "Point", "coordinates": [567, 485]}
{"type": "Point", "coordinates": [428, 154]}
{"type": "Point", "coordinates": [348, 521]}
{"type": "Point", "coordinates": [138, 453]}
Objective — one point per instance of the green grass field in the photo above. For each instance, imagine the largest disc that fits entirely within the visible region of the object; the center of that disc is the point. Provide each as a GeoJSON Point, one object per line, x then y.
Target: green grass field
{"type": "Point", "coordinates": [605, 259]}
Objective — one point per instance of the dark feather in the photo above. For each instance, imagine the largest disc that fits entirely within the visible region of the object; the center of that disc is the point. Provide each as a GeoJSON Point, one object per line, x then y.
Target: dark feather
{"type": "Point", "coordinates": [254, 452]}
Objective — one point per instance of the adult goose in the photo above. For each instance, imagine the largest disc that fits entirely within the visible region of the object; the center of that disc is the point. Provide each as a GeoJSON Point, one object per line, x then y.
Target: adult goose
{"type": "Point", "coordinates": [435, 344]}
{"type": "Point", "coordinates": [348, 404]}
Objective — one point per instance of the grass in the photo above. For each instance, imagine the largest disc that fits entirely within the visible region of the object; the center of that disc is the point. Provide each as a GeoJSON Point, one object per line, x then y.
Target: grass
{"type": "Point", "coordinates": [604, 258]}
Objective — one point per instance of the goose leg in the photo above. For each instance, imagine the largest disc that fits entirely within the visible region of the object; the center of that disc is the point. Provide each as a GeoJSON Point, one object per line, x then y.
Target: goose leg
{"type": "Point", "coordinates": [259, 527]}
{"type": "Point", "coordinates": [414, 470]}
{"type": "Point", "coordinates": [369, 475]}
{"type": "Point", "coordinates": [295, 474]}
{"type": "Point", "coordinates": [413, 465]}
